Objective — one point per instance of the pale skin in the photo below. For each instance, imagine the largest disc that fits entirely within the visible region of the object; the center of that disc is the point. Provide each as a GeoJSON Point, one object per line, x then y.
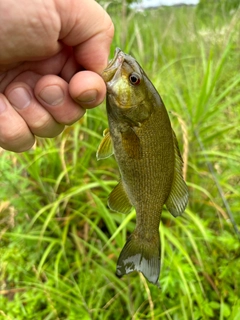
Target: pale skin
{"type": "Point", "coordinates": [52, 53]}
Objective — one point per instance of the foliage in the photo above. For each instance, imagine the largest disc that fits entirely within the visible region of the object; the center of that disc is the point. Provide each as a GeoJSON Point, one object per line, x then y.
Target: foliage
{"type": "Point", "coordinates": [220, 5]}
{"type": "Point", "coordinates": [217, 10]}
{"type": "Point", "coordinates": [59, 242]}
{"type": "Point", "coordinates": [116, 5]}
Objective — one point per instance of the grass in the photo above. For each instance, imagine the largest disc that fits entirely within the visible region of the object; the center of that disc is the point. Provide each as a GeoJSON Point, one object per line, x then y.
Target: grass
{"type": "Point", "coordinates": [59, 242]}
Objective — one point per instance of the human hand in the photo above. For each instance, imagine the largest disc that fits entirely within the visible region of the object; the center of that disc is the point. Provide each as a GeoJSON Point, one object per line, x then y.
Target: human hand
{"type": "Point", "coordinates": [43, 45]}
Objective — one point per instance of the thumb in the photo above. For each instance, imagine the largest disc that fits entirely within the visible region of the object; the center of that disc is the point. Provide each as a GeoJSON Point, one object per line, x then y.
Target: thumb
{"type": "Point", "coordinates": [89, 29]}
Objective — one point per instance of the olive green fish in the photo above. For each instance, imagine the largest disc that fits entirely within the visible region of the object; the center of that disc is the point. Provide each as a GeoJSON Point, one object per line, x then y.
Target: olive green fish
{"type": "Point", "coordinates": [146, 150]}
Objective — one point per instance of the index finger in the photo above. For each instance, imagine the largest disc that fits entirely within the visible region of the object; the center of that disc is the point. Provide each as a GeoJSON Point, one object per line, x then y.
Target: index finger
{"type": "Point", "coordinates": [88, 28]}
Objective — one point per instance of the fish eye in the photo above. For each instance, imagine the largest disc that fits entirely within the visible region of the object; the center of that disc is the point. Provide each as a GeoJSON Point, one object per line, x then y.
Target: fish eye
{"type": "Point", "coordinates": [134, 79]}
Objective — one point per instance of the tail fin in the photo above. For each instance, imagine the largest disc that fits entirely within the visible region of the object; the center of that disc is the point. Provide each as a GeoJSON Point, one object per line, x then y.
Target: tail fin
{"type": "Point", "coordinates": [141, 255]}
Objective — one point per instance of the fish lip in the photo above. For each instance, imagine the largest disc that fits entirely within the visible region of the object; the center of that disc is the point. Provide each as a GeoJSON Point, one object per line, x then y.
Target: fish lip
{"type": "Point", "coordinates": [112, 61]}
{"type": "Point", "coordinates": [113, 65]}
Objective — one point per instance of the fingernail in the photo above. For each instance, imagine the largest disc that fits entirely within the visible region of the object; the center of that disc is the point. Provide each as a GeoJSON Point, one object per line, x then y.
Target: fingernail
{"type": "Point", "coordinates": [19, 98]}
{"type": "Point", "coordinates": [52, 95]}
{"type": "Point", "coordinates": [88, 96]}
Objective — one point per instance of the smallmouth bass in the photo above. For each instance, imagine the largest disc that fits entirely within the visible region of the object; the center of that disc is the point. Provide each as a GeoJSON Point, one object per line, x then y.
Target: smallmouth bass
{"type": "Point", "coordinates": [146, 149]}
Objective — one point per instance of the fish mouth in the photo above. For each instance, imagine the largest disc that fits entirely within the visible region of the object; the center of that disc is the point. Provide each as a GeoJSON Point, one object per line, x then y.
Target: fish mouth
{"type": "Point", "coordinates": [114, 65]}
{"type": "Point", "coordinates": [113, 60]}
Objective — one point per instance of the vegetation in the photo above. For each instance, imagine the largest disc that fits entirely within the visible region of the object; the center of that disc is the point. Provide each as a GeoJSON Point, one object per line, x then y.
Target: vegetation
{"type": "Point", "coordinates": [217, 9]}
{"type": "Point", "coordinates": [60, 243]}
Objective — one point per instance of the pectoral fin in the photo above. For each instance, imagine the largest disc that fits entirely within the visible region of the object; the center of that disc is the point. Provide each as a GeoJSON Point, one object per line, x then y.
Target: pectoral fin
{"type": "Point", "coordinates": [105, 148]}
{"type": "Point", "coordinates": [131, 144]}
{"type": "Point", "coordinates": [178, 197]}
{"type": "Point", "coordinates": [118, 199]}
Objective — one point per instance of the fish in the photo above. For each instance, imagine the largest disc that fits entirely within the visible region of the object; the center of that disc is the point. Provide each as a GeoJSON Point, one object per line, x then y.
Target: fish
{"type": "Point", "coordinates": [146, 150]}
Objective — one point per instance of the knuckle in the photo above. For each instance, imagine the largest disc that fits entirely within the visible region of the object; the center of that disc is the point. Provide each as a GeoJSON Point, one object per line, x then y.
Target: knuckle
{"type": "Point", "coordinates": [110, 29]}
{"type": "Point", "coordinates": [16, 139]}
{"type": "Point", "coordinates": [46, 127]}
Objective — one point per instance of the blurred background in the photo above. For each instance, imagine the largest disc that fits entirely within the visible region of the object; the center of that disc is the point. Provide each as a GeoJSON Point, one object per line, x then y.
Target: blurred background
{"type": "Point", "coordinates": [60, 243]}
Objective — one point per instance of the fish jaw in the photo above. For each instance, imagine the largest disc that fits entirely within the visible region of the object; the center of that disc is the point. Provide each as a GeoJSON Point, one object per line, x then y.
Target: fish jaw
{"type": "Point", "coordinates": [114, 65]}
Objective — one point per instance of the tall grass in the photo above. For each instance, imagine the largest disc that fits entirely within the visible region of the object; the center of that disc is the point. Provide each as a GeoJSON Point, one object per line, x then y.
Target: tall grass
{"type": "Point", "coordinates": [60, 243]}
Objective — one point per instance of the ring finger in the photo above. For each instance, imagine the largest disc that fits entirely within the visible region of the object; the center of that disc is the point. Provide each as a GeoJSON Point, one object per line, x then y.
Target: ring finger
{"type": "Point", "coordinates": [38, 119]}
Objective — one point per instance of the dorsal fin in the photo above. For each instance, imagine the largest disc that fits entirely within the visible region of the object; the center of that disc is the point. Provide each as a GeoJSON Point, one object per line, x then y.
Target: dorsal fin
{"type": "Point", "coordinates": [178, 197]}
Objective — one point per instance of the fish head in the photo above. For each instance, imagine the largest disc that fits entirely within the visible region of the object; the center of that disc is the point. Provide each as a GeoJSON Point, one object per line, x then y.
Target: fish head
{"type": "Point", "coordinates": [129, 91]}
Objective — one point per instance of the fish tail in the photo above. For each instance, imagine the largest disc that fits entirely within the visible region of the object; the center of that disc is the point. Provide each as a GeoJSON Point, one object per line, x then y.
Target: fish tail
{"type": "Point", "coordinates": [141, 254]}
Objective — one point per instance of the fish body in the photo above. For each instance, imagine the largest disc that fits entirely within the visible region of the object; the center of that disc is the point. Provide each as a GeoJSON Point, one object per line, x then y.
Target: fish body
{"type": "Point", "coordinates": [146, 150]}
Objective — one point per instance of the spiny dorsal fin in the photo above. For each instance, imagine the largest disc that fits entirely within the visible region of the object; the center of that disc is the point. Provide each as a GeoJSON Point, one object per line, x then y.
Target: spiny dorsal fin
{"type": "Point", "coordinates": [142, 255]}
{"type": "Point", "coordinates": [105, 148]}
{"type": "Point", "coordinates": [178, 197]}
{"type": "Point", "coordinates": [118, 199]}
